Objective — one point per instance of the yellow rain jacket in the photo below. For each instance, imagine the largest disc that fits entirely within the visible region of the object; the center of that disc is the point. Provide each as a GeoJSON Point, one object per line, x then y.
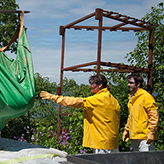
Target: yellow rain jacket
{"type": "Point", "coordinates": [143, 116]}
{"type": "Point", "coordinates": [101, 121]}
{"type": "Point", "coordinates": [101, 118]}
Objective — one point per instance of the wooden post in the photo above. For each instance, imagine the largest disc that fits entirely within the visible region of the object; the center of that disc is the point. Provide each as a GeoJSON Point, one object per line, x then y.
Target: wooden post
{"type": "Point", "coordinates": [62, 32]}
{"type": "Point", "coordinates": [99, 16]}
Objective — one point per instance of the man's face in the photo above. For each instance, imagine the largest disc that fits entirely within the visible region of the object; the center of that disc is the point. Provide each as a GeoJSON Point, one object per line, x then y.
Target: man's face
{"type": "Point", "coordinates": [95, 87]}
{"type": "Point", "coordinates": [132, 85]}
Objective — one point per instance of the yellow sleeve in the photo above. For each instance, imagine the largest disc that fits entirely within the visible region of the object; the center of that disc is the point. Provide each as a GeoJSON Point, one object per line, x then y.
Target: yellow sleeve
{"type": "Point", "coordinates": [151, 109]}
{"type": "Point", "coordinates": [153, 120]}
{"type": "Point", "coordinates": [149, 103]}
{"type": "Point", "coordinates": [127, 124]}
{"type": "Point", "coordinates": [90, 102]}
{"type": "Point", "coordinates": [73, 102]}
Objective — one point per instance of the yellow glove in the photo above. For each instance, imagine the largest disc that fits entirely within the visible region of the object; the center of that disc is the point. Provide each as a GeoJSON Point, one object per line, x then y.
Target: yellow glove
{"type": "Point", "coordinates": [150, 137]}
{"type": "Point", "coordinates": [73, 102]}
{"type": "Point", "coordinates": [125, 136]}
{"type": "Point", "coordinates": [153, 124]}
{"type": "Point", "coordinates": [46, 95]}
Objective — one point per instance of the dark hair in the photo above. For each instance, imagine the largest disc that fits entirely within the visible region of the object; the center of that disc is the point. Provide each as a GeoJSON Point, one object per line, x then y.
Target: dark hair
{"type": "Point", "coordinates": [100, 79]}
{"type": "Point", "coordinates": [137, 78]}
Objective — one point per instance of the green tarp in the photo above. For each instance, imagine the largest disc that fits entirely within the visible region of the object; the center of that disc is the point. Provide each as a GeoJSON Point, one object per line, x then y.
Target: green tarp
{"type": "Point", "coordinates": [17, 85]}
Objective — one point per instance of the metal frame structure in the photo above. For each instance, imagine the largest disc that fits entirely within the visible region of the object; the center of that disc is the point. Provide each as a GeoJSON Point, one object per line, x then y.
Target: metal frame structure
{"type": "Point", "coordinates": [13, 11]}
{"type": "Point", "coordinates": [123, 20]}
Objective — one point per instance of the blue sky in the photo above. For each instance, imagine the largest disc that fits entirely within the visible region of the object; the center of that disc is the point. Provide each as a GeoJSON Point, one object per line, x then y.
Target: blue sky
{"type": "Point", "coordinates": [45, 18]}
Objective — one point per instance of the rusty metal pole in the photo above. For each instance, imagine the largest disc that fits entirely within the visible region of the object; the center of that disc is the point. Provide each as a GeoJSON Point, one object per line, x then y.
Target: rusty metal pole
{"type": "Point", "coordinates": [150, 61]}
{"type": "Point", "coordinates": [99, 16]}
{"type": "Point", "coordinates": [59, 90]}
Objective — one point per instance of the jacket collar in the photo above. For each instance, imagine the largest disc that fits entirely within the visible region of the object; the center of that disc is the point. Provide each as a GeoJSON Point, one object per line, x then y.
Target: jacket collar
{"type": "Point", "coordinates": [103, 90]}
{"type": "Point", "coordinates": [136, 95]}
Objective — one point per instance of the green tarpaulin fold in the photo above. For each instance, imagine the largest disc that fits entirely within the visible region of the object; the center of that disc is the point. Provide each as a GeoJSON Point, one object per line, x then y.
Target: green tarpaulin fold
{"type": "Point", "coordinates": [17, 84]}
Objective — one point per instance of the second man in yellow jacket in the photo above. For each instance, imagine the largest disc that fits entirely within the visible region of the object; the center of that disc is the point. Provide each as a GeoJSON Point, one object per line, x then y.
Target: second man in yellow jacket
{"type": "Point", "coordinates": [142, 121]}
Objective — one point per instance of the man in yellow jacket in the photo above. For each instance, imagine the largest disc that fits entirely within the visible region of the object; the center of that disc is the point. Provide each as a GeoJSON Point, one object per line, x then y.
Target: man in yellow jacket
{"type": "Point", "coordinates": [101, 115]}
{"type": "Point", "coordinates": [142, 121]}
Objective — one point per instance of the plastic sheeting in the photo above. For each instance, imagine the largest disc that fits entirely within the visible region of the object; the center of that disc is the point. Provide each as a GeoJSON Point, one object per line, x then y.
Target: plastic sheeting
{"type": "Point", "coordinates": [14, 152]}
{"type": "Point", "coordinates": [17, 83]}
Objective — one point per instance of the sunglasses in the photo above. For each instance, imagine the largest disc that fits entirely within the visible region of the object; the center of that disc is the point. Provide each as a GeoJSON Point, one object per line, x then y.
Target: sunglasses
{"type": "Point", "coordinates": [131, 82]}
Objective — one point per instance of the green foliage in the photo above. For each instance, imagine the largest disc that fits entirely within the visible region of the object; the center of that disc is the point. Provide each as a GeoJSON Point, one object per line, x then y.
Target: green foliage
{"type": "Point", "coordinates": [17, 129]}
{"type": "Point", "coordinates": [8, 24]}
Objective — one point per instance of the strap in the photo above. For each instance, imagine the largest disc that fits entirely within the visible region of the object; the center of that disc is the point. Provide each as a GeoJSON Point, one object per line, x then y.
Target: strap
{"type": "Point", "coordinates": [17, 32]}
{"type": "Point", "coordinates": [16, 70]}
{"type": "Point", "coordinates": [21, 27]}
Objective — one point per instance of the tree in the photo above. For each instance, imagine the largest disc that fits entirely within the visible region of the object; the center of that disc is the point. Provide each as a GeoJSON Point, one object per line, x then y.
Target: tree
{"type": "Point", "coordinates": [140, 57]}
{"type": "Point", "coordinates": [8, 23]}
